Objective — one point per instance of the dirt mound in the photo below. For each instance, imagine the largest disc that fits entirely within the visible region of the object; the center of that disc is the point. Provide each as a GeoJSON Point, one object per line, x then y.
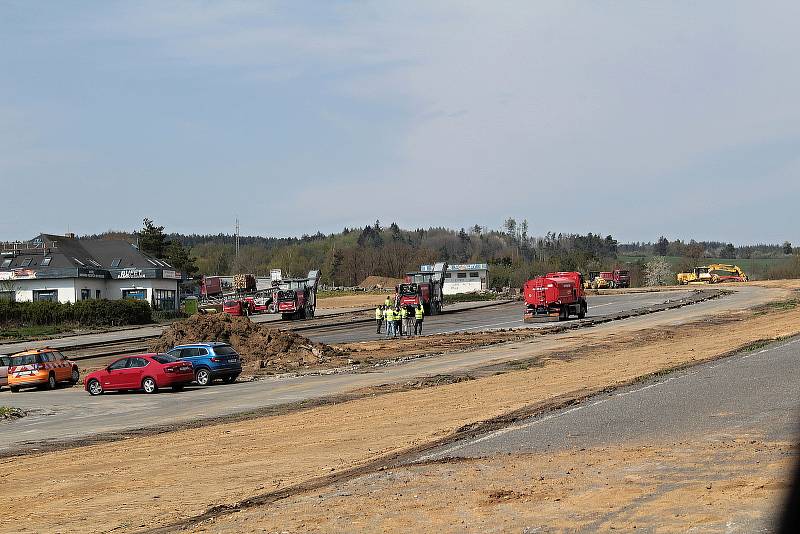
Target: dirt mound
{"type": "Point", "coordinates": [380, 282]}
{"type": "Point", "coordinates": [259, 346]}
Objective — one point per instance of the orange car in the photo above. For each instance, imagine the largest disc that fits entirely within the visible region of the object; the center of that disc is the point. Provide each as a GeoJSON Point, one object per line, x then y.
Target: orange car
{"type": "Point", "coordinates": [41, 367]}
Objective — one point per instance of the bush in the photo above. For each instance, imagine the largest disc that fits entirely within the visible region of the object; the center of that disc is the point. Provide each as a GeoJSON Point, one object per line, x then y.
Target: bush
{"type": "Point", "coordinates": [83, 313]}
{"type": "Point", "coordinates": [468, 297]}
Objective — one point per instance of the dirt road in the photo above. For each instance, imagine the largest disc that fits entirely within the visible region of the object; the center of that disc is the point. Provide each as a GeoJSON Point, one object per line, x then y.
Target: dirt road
{"type": "Point", "coordinates": [252, 459]}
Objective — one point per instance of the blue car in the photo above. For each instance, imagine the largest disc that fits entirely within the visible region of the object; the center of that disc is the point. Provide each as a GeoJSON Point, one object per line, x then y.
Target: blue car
{"type": "Point", "coordinates": [210, 361]}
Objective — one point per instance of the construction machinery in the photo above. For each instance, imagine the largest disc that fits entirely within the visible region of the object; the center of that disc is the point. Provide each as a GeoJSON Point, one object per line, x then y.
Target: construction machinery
{"type": "Point", "coordinates": [293, 298]}
{"type": "Point", "coordinates": [554, 297]}
{"type": "Point", "coordinates": [713, 274]}
{"type": "Point", "coordinates": [722, 272]}
{"type": "Point", "coordinates": [424, 287]}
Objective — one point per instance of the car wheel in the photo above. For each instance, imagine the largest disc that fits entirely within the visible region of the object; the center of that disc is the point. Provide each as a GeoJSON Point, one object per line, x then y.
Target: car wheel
{"type": "Point", "coordinates": [178, 387]}
{"type": "Point", "coordinates": [94, 387]}
{"type": "Point", "coordinates": [76, 376]}
{"type": "Point", "coordinates": [14, 389]}
{"type": "Point", "coordinates": [203, 377]}
{"type": "Point", "coordinates": [149, 385]}
{"type": "Point", "coordinates": [51, 381]}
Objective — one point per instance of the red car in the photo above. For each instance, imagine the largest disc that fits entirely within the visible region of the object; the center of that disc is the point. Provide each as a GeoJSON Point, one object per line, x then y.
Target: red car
{"type": "Point", "coordinates": [144, 371]}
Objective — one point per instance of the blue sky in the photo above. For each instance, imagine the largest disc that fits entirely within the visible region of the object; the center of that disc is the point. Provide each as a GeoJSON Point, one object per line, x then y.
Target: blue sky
{"type": "Point", "coordinates": [630, 118]}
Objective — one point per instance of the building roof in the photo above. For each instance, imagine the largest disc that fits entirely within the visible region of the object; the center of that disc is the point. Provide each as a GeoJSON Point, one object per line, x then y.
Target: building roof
{"type": "Point", "coordinates": [49, 252]}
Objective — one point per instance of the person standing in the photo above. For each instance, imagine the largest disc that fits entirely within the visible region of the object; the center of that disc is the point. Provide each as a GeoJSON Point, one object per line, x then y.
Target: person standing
{"type": "Point", "coordinates": [403, 321]}
{"type": "Point", "coordinates": [419, 315]}
{"type": "Point", "coordinates": [398, 322]}
{"type": "Point", "coordinates": [388, 302]}
{"type": "Point", "coordinates": [378, 318]}
{"type": "Point", "coordinates": [389, 318]}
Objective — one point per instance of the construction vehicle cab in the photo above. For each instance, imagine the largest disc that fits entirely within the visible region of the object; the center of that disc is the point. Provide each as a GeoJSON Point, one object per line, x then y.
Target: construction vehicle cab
{"type": "Point", "coordinates": [296, 298]}
{"type": "Point", "coordinates": [423, 287]}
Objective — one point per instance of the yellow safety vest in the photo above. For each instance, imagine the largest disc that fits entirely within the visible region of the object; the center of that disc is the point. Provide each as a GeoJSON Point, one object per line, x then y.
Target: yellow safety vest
{"type": "Point", "coordinates": [388, 302]}
{"type": "Point", "coordinates": [390, 315]}
{"type": "Point", "coordinates": [404, 313]}
{"type": "Point", "coordinates": [378, 313]}
{"type": "Point", "coordinates": [418, 313]}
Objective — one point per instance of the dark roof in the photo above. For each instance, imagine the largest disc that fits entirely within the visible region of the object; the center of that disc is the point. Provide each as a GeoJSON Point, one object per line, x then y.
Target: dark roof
{"type": "Point", "coordinates": [70, 252]}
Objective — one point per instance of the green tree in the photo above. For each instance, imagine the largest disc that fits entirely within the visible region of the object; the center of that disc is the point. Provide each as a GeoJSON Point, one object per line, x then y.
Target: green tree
{"type": "Point", "coordinates": [179, 257]}
{"type": "Point", "coordinates": [152, 239]}
{"type": "Point", "coordinates": [787, 247]}
{"type": "Point", "coordinates": [662, 246]}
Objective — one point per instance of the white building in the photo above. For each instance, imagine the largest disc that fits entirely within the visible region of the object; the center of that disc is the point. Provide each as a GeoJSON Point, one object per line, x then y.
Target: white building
{"type": "Point", "coordinates": [66, 269]}
{"type": "Point", "coordinates": [463, 277]}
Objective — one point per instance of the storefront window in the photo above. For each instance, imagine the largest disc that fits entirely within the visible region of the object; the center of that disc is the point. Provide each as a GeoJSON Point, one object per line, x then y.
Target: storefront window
{"type": "Point", "coordinates": [164, 299]}
{"type": "Point", "coordinates": [46, 295]}
{"type": "Point", "coordinates": [136, 294]}
{"type": "Point", "coordinates": [86, 294]}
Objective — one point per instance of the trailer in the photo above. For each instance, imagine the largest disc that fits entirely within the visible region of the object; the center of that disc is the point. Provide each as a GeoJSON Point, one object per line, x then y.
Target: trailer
{"type": "Point", "coordinates": [554, 297]}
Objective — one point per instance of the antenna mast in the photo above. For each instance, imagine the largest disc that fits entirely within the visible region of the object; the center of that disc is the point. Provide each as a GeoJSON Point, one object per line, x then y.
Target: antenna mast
{"type": "Point", "coordinates": [237, 237]}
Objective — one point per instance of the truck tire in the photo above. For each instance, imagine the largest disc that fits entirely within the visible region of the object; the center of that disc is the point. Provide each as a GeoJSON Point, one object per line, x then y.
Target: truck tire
{"type": "Point", "coordinates": [563, 315]}
{"type": "Point", "coordinates": [582, 309]}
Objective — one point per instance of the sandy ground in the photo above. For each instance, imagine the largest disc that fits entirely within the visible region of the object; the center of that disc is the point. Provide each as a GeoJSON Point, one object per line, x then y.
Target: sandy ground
{"type": "Point", "coordinates": [735, 485]}
{"type": "Point", "coordinates": [156, 480]}
{"type": "Point", "coordinates": [351, 301]}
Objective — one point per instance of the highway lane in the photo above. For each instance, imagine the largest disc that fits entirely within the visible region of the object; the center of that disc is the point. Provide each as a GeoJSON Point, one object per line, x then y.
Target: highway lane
{"type": "Point", "coordinates": [752, 393]}
{"type": "Point", "coordinates": [503, 316]}
{"type": "Point", "coordinates": [70, 413]}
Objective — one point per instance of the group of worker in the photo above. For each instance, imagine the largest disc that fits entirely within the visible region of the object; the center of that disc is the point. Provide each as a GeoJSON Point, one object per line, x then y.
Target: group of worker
{"type": "Point", "coordinates": [400, 320]}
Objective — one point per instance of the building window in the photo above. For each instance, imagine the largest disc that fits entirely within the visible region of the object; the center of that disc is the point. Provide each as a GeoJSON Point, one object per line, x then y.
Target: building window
{"type": "Point", "coordinates": [164, 299]}
{"type": "Point", "coordinates": [115, 262]}
{"type": "Point", "coordinates": [6, 296]}
{"type": "Point", "coordinates": [86, 294]}
{"type": "Point", "coordinates": [45, 295]}
{"type": "Point", "coordinates": [6, 263]}
{"type": "Point", "coordinates": [474, 275]}
{"type": "Point", "coordinates": [448, 275]}
{"type": "Point", "coordinates": [135, 294]}
{"type": "Point", "coordinates": [97, 294]}
{"type": "Point", "coordinates": [46, 261]}
{"type": "Point", "coordinates": [26, 262]}
{"type": "Point", "coordinates": [461, 275]}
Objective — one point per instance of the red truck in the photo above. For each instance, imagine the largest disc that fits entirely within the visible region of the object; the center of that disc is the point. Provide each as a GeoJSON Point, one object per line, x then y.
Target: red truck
{"type": "Point", "coordinates": [210, 286]}
{"type": "Point", "coordinates": [423, 287]}
{"type": "Point", "coordinates": [617, 278]}
{"type": "Point", "coordinates": [554, 296]}
{"type": "Point", "coordinates": [296, 298]}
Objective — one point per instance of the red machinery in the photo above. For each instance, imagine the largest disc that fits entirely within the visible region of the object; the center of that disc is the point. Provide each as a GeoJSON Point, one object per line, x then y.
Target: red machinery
{"type": "Point", "coordinates": [296, 298]}
{"type": "Point", "coordinates": [617, 278]}
{"type": "Point", "coordinates": [424, 287]}
{"type": "Point", "coordinates": [554, 297]}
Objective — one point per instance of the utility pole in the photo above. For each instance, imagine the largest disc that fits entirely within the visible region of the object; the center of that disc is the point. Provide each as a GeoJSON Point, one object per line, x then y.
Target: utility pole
{"type": "Point", "coordinates": [237, 237]}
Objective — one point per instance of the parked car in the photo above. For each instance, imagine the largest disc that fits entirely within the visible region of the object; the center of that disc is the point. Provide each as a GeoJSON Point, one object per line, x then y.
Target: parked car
{"type": "Point", "coordinates": [41, 367]}
{"type": "Point", "coordinates": [143, 371]}
{"type": "Point", "coordinates": [4, 361]}
{"type": "Point", "coordinates": [210, 361]}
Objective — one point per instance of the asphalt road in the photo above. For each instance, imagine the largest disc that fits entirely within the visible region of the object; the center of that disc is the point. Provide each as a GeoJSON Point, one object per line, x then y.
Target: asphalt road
{"type": "Point", "coordinates": [756, 392]}
{"type": "Point", "coordinates": [507, 315]}
{"type": "Point", "coordinates": [70, 413]}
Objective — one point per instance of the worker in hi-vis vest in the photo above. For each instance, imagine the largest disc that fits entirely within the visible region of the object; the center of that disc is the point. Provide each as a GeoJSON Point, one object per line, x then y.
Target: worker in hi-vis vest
{"type": "Point", "coordinates": [419, 315]}
{"type": "Point", "coordinates": [390, 328]}
{"type": "Point", "coordinates": [378, 318]}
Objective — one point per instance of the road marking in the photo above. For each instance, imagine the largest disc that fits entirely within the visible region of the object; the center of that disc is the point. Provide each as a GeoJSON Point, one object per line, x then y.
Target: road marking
{"type": "Point", "coordinates": [600, 305]}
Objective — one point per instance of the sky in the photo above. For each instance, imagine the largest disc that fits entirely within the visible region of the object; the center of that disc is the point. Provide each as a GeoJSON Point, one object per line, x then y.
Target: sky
{"type": "Point", "coordinates": [635, 119]}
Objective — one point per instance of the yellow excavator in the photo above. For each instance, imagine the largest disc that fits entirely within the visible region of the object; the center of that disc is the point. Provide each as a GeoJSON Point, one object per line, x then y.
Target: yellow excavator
{"type": "Point", "coordinates": [722, 272]}
{"type": "Point", "coordinates": [713, 274]}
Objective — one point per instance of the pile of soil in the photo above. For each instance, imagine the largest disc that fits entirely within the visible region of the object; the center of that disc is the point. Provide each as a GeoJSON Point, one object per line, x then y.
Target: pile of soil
{"type": "Point", "coordinates": [379, 282]}
{"type": "Point", "coordinates": [260, 347]}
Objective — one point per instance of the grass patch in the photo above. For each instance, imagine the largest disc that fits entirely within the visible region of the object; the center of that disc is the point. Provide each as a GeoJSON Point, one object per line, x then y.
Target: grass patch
{"type": "Point", "coordinates": [778, 305]}
{"type": "Point", "coordinates": [7, 413]}
{"type": "Point", "coordinates": [34, 331]}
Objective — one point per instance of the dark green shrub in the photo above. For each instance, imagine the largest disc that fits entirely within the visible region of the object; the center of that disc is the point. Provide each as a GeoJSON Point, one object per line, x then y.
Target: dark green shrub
{"type": "Point", "coordinates": [82, 313]}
